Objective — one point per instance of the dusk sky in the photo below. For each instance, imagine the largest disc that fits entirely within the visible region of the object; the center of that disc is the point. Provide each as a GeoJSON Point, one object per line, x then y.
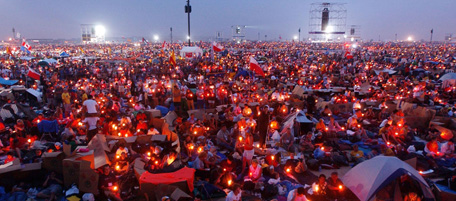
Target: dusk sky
{"type": "Point", "coordinates": [48, 19]}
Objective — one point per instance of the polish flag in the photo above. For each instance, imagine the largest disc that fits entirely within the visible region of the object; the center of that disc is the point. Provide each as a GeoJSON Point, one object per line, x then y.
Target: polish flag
{"type": "Point", "coordinates": [348, 55]}
{"type": "Point", "coordinates": [33, 74]}
{"type": "Point", "coordinates": [255, 67]}
{"type": "Point", "coordinates": [216, 47]}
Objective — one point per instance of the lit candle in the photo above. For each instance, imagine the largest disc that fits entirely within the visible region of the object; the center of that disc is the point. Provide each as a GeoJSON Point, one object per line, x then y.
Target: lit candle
{"type": "Point", "coordinates": [230, 182]}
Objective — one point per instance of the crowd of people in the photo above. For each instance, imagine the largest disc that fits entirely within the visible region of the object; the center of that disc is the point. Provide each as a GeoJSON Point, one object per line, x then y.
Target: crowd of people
{"type": "Point", "coordinates": [239, 130]}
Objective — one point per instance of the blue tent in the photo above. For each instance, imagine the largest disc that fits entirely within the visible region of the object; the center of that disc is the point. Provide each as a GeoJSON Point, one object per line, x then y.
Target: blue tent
{"type": "Point", "coordinates": [64, 54]}
{"type": "Point", "coordinates": [7, 82]}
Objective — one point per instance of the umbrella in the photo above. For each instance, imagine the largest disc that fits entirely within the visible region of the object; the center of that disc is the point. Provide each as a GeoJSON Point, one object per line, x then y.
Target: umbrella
{"type": "Point", "coordinates": [448, 76]}
{"type": "Point", "coordinates": [50, 61]}
{"type": "Point", "coordinates": [367, 178]}
{"type": "Point", "coordinates": [43, 63]}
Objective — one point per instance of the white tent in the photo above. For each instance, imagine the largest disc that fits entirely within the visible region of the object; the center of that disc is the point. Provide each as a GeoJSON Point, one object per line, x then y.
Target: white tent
{"type": "Point", "coordinates": [448, 79]}
{"type": "Point", "coordinates": [367, 178]}
{"type": "Point", "coordinates": [190, 52]}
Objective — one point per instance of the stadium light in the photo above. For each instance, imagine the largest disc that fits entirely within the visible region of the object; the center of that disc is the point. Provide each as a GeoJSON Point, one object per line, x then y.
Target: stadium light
{"type": "Point", "coordinates": [410, 38]}
{"type": "Point", "coordinates": [295, 37]}
{"type": "Point", "coordinates": [156, 37]}
{"type": "Point", "coordinates": [100, 30]}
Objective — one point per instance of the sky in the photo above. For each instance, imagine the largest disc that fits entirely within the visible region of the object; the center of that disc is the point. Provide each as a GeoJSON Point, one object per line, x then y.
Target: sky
{"type": "Point", "coordinates": [61, 19]}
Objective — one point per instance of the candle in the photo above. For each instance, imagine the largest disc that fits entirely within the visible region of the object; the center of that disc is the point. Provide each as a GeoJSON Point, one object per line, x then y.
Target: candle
{"type": "Point", "coordinates": [340, 187]}
{"type": "Point", "coordinates": [240, 139]}
{"type": "Point", "coordinates": [288, 170]}
{"type": "Point", "coordinates": [115, 188]}
{"type": "Point", "coordinates": [272, 157]}
{"type": "Point", "coordinates": [148, 153]}
{"type": "Point", "coordinates": [230, 182]}
{"type": "Point", "coordinates": [117, 156]}
{"type": "Point", "coordinates": [117, 167]}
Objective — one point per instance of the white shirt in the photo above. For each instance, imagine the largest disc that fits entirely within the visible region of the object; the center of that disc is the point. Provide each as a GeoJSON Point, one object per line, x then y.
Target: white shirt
{"type": "Point", "coordinates": [91, 106]}
{"type": "Point", "coordinates": [298, 198]}
{"type": "Point", "coordinates": [153, 132]}
{"type": "Point", "coordinates": [447, 149]}
{"type": "Point", "coordinates": [119, 151]}
{"type": "Point", "coordinates": [92, 121]}
{"type": "Point", "coordinates": [232, 197]}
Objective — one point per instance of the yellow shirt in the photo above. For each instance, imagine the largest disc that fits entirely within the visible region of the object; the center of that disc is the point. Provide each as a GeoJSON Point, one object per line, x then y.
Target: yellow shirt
{"type": "Point", "coordinates": [66, 98]}
{"type": "Point", "coordinates": [357, 154]}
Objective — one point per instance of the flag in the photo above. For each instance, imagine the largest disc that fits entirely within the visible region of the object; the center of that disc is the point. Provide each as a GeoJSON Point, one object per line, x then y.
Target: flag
{"type": "Point", "coordinates": [432, 31]}
{"type": "Point", "coordinates": [280, 37]}
{"type": "Point", "coordinates": [172, 58]}
{"type": "Point", "coordinates": [8, 50]}
{"type": "Point", "coordinates": [348, 55]}
{"type": "Point", "coordinates": [217, 47]}
{"type": "Point", "coordinates": [255, 67]}
{"type": "Point", "coordinates": [145, 41]}
{"type": "Point", "coordinates": [25, 50]}
{"type": "Point", "coordinates": [80, 48]}
{"type": "Point", "coordinates": [18, 35]}
{"type": "Point", "coordinates": [33, 74]}
{"type": "Point", "coordinates": [164, 47]}
{"type": "Point", "coordinates": [26, 45]}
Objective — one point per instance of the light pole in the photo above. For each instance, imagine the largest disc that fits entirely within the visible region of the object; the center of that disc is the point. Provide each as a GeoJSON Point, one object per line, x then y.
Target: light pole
{"type": "Point", "coordinates": [299, 35]}
{"type": "Point", "coordinates": [188, 10]}
{"type": "Point", "coordinates": [171, 30]}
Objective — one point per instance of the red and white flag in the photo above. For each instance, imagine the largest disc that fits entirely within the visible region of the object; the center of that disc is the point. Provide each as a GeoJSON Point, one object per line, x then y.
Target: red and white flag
{"type": "Point", "coordinates": [348, 55]}
{"type": "Point", "coordinates": [33, 74]}
{"type": "Point", "coordinates": [26, 46]}
{"type": "Point", "coordinates": [217, 47]}
{"type": "Point", "coordinates": [255, 67]}
{"type": "Point", "coordinates": [164, 45]}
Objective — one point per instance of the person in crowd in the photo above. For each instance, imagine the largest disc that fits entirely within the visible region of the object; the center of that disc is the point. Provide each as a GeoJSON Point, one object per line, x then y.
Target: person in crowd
{"type": "Point", "coordinates": [52, 187]}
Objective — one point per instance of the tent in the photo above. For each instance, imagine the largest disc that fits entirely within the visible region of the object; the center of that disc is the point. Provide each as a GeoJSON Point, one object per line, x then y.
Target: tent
{"type": "Point", "coordinates": [35, 93]}
{"type": "Point", "coordinates": [190, 52]}
{"type": "Point", "coordinates": [8, 82]}
{"type": "Point", "coordinates": [64, 54]}
{"type": "Point", "coordinates": [448, 79]}
{"type": "Point", "coordinates": [369, 177]}
{"type": "Point", "coordinates": [300, 117]}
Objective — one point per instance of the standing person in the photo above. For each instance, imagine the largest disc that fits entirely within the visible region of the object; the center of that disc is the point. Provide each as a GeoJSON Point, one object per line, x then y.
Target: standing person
{"type": "Point", "coordinates": [248, 150]}
{"type": "Point", "coordinates": [92, 128]}
{"type": "Point", "coordinates": [66, 99]}
{"type": "Point", "coordinates": [177, 98]}
{"type": "Point", "coordinates": [263, 125]}
{"type": "Point", "coordinates": [91, 107]}
{"type": "Point", "coordinates": [190, 96]}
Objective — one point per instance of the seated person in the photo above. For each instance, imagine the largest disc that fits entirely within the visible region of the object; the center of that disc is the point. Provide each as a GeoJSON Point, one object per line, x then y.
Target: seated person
{"type": "Point", "coordinates": [357, 155]}
{"type": "Point", "coordinates": [318, 190]}
{"type": "Point", "coordinates": [52, 187]}
{"type": "Point", "coordinates": [335, 186]}
{"type": "Point", "coordinates": [122, 165]}
{"type": "Point", "coordinates": [108, 184]}
{"type": "Point", "coordinates": [255, 172]}
{"type": "Point", "coordinates": [298, 194]}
